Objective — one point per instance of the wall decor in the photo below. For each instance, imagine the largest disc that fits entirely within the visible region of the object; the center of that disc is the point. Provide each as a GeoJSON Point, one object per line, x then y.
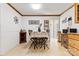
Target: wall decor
{"type": "Point", "coordinates": [65, 20]}
{"type": "Point", "coordinates": [46, 25]}
{"type": "Point", "coordinates": [76, 13]}
{"type": "Point", "coordinates": [70, 21]}
{"type": "Point", "coordinates": [15, 20]}
{"type": "Point", "coordinates": [39, 27]}
{"type": "Point", "coordinates": [34, 22]}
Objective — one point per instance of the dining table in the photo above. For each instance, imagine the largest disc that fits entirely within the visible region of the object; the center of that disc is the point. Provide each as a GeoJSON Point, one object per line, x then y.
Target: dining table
{"type": "Point", "coordinates": [39, 39]}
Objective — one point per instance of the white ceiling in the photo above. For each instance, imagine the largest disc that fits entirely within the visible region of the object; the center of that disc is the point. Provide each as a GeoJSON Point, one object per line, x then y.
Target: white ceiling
{"type": "Point", "coordinates": [46, 9]}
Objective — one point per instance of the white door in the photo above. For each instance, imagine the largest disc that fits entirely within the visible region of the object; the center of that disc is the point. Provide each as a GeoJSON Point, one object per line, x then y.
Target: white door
{"type": "Point", "coordinates": [54, 27]}
{"type": "Point", "coordinates": [51, 29]}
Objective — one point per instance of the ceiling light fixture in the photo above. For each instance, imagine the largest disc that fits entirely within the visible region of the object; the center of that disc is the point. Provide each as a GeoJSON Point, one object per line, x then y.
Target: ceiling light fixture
{"type": "Point", "coordinates": [36, 6]}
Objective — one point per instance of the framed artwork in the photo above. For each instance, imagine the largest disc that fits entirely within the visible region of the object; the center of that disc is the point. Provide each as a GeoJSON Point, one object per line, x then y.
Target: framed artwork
{"type": "Point", "coordinates": [76, 12]}
{"type": "Point", "coordinates": [16, 20]}
{"type": "Point", "coordinates": [70, 21]}
{"type": "Point", "coordinates": [34, 22]}
{"type": "Point", "coordinates": [65, 20]}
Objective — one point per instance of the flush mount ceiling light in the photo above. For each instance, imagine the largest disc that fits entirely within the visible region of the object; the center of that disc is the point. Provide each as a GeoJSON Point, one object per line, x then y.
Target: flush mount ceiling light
{"type": "Point", "coordinates": [36, 6]}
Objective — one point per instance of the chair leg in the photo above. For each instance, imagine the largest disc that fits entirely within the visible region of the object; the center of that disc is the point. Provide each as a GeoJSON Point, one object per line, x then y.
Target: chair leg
{"type": "Point", "coordinates": [31, 45]}
{"type": "Point", "coordinates": [44, 45]}
{"type": "Point", "coordinates": [47, 46]}
{"type": "Point", "coordinates": [40, 45]}
{"type": "Point", "coordinates": [34, 46]}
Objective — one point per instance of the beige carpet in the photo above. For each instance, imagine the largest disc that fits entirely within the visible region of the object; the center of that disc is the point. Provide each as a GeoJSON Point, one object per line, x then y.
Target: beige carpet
{"type": "Point", "coordinates": [24, 50]}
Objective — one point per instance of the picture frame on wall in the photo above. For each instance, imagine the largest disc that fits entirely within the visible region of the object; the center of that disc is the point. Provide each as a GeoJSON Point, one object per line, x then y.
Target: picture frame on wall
{"type": "Point", "coordinates": [76, 13]}
{"type": "Point", "coordinates": [34, 22]}
{"type": "Point", "coordinates": [65, 20]}
{"type": "Point", "coordinates": [16, 20]}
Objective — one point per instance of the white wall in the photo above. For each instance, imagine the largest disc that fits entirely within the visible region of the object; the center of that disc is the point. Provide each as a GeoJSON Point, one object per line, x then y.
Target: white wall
{"type": "Point", "coordinates": [0, 26]}
{"type": "Point", "coordinates": [26, 26]}
{"type": "Point", "coordinates": [9, 30]}
{"type": "Point", "coordinates": [69, 13]}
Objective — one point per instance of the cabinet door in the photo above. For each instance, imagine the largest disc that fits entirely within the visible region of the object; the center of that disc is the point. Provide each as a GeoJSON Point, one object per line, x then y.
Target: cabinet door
{"type": "Point", "coordinates": [22, 37]}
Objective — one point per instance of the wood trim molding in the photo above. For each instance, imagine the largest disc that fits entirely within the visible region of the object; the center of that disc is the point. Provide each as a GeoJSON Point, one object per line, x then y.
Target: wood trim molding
{"type": "Point", "coordinates": [38, 15]}
{"type": "Point", "coordinates": [75, 13]}
{"type": "Point", "coordinates": [67, 10]}
{"type": "Point", "coordinates": [41, 15]}
{"type": "Point", "coordinates": [29, 15]}
{"type": "Point", "coordinates": [14, 9]}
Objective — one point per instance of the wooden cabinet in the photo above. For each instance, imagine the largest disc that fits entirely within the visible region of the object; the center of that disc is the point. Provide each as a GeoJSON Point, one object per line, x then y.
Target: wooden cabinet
{"type": "Point", "coordinates": [59, 36]}
{"type": "Point", "coordinates": [22, 37]}
{"type": "Point", "coordinates": [76, 12]}
{"type": "Point", "coordinates": [71, 42]}
{"type": "Point", "coordinates": [73, 45]}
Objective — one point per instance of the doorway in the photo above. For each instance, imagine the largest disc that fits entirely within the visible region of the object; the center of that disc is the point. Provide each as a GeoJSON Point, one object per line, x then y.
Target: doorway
{"type": "Point", "coordinates": [54, 28]}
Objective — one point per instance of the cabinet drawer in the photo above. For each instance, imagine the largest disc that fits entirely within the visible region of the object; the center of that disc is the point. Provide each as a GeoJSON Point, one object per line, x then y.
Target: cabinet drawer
{"type": "Point", "coordinates": [75, 37]}
{"type": "Point", "coordinates": [73, 51]}
{"type": "Point", "coordinates": [74, 43]}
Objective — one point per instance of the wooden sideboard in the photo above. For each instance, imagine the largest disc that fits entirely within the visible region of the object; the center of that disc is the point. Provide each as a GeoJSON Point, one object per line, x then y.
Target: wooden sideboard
{"type": "Point", "coordinates": [71, 42]}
